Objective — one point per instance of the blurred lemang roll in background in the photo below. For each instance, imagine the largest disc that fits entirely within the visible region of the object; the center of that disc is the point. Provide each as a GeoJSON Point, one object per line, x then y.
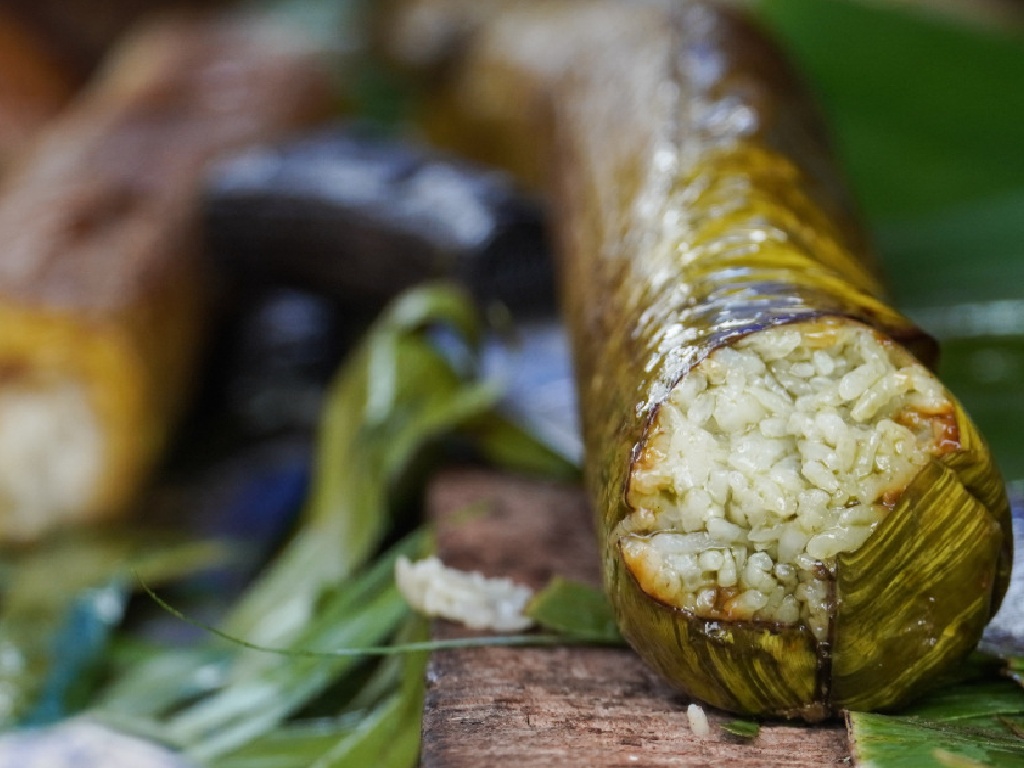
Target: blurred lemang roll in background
{"type": "Point", "coordinates": [102, 287]}
{"type": "Point", "coordinates": [49, 49]}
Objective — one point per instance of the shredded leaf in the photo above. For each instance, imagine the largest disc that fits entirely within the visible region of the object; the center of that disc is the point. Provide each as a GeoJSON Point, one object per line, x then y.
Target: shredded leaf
{"type": "Point", "coordinates": [570, 633]}
{"type": "Point", "coordinates": [394, 396]}
{"type": "Point", "coordinates": [306, 631]}
{"type": "Point", "coordinates": [61, 600]}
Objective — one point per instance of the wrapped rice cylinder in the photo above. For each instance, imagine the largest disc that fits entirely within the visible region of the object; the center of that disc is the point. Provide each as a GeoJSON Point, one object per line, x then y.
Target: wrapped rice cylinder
{"type": "Point", "coordinates": [101, 282]}
{"type": "Point", "coordinates": [796, 517]}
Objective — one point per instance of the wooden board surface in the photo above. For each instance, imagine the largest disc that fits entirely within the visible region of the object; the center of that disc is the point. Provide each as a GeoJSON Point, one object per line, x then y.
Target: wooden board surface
{"type": "Point", "coordinates": [594, 707]}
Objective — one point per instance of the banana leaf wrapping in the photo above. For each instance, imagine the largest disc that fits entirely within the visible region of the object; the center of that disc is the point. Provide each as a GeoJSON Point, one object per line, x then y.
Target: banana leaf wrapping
{"type": "Point", "coordinates": [697, 205]}
{"type": "Point", "coordinates": [102, 286]}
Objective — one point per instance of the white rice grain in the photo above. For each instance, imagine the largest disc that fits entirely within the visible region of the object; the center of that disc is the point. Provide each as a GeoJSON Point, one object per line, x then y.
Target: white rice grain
{"type": "Point", "coordinates": [698, 721]}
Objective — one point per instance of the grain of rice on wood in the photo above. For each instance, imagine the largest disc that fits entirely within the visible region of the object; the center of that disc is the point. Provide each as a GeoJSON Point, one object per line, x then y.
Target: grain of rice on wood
{"type": "Point", "coordinates": [698, 720]}
{"type": "Point", "coordinates": [771, 457]}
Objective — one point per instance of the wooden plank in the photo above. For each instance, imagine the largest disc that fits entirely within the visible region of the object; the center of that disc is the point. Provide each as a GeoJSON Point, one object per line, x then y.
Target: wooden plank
{"type": "Point", "coordinates": [596, 707]}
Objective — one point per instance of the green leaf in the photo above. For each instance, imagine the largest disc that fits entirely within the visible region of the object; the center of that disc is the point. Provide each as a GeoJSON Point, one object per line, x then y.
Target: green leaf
{"type": "Point", "coordinates": [392, 398]}
{"type": "Point", "coordinates": [743, 729]}
{"type": "Point", "coordinates": [960, 275]}
{"type": "Point", "coordinates": [295, 745]}
{"type": "Point", "coordinates": [575, 610]}
{"type": "Point", "coordinates": [161, 679]}
{"type": "Point", "coordinates": [930, 250]}
{"type": "Point", "coordinates": [306, 624]}
{"type": "Point", "coordinates": [383, 718]}
{"type": "Point", "coordinates": [1015, 669]}
{"type": "Point", "coordinates": [60, 600]}
{"type": "Point", "coordinates": [970, 724]}
{"type": "Point", "coordinates": [75, 648]}
{"type": "Point", "coordinates": [263, 689]}
{"type": "Point", "coordinates": [926, 112]}
{"type": "Point", "coordinates": [505, 444]}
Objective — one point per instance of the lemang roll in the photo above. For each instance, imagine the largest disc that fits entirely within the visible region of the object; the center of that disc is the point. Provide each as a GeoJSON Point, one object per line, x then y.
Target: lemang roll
{"type": "Point", "coordinates": [796, 517]}
{"type": "Point", "coordinates": [104, 291]}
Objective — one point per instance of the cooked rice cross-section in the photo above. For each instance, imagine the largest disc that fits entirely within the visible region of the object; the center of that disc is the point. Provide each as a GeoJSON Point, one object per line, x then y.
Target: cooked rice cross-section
{"type": "Point", "coordinates": [771, 457]}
